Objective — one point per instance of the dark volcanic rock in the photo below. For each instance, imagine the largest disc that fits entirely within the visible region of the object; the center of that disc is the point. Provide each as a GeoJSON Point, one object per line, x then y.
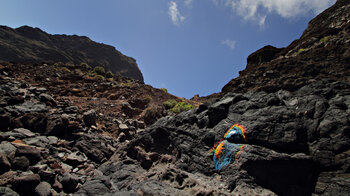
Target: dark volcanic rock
{"type": "Point", "coordinates": [20, 163]}
{"type": "Point", "coordinates": [31, 153]}
{"type": "Point", "coordinates": [4, 121]}
{"type": "Point", "coordinates": [97, 186]}
{"type": "Point", "coordinates": [90, 118]}
{"type": "Point", "coordinates": [43, 189]}
{"type": "Point", "coordinates": [289, 149]}
{"type": "Point", "coordinates": [283, 174]}
{"type": "Point", "coordinates": [4, 163]}
{"type": "Point", "coordinates": [95, 148]}
{"type": "Point", "coordinates": [57, 125]}
{"type": "Point", "coordinates": [69, 183]}
{"type": "Point", "coordinates": [25, 185]}
{"type": "Point", "coordinates": [32, 121]}
{"type": "Point", "coordinates": [47, 99]}
{"type": "Point", "coordinates": [27, 44]}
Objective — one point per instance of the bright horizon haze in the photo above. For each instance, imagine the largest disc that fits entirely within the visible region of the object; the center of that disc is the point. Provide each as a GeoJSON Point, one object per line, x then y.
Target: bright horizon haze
{"type": "Point", "coordinates": [187, 46]}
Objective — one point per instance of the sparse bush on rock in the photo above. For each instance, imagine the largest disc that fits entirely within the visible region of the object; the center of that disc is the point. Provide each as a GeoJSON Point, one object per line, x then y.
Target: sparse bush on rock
{"type": "Point", "coordinates": [164, 90]}
{"type": "Point", "coordinates": [148, 99]}
{"type": "Point", "coordinates": [99, 70]}
{"type": "Point", "coordinates": [181, 106]}
{"type": "Point", "coordinates": [65, 69]}
{"type": "Point", "coordinates": [99, 77]}
{"type": "Point", "coordinates": [324, 39]}
{"type": "Point", "coordinates": [109, 74]}
{"type": "Point", "coordinates": [85, 66]}
{"type": "Point", "coordinates": [169, 104]}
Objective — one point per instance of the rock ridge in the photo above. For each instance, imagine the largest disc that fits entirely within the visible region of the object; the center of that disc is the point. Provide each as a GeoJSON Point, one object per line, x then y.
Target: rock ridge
{"type": "Point", "coordinates": [32, 45]}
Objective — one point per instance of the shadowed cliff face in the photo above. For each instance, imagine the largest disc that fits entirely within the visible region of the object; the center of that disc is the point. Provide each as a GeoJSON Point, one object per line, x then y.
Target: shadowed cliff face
{"type": "Point", "coordinates": [27, 44]}
{"type": "Point", "coordinates": [322, 52]}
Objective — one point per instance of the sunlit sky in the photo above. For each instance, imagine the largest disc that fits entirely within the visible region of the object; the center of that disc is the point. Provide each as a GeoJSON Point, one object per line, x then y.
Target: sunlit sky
{"type": "Point", "coordinates": [187, 46]}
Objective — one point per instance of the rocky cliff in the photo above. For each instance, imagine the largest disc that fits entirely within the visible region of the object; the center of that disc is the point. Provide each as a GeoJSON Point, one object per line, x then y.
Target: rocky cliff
{"type": "Point", "coordinates": [27, 44]}
{"type": "Point", "coordinates": [322, 52]}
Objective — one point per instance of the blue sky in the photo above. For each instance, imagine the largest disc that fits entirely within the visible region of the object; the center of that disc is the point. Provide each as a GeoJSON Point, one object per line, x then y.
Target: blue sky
{"type": "Point", "coordinates": [187, 46]}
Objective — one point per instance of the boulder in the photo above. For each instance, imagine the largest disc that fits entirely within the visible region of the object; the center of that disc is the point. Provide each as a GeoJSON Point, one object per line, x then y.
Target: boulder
{"type": "Point", "coordinates": [47, 99]}
{"type": "Point", "coordinates": [27, 107]}
{"type": "Point", "coordinates": [20, 163]}
{"type": "Point", "coordinates": [5, 191]}
{"type": "Point", "coordinates": [4, 121]}
{"type": "Point", "coordinates": [31, 153]}
{"type": "Point", "coordinates": [24, 132]}
{"type": "Point", "coordinates": [6, 178]}
{"type": "Point", "coordinates": [90, 118]}
{"type": "Point", "coordinates": [57, 126]}
{"type": "Point", "coordinates": [35, 122]}
{"type": "Point", "coordinates": [7, 147]}
{"type": "Point", "coordinates": [4, 163]}
{"type": "Point", "coordinates": [97, 186]}
{"type": "Point", "coordinates": [76, 158]}
{"type": "Point", "coordinates": [69, 182]}
{"type": "Point", "coordinates": [25, 185]}
{"type": "Point", "coordinates": [71, 110]}
{"type": "Point", "coordinates": [95, 148]}
{"type": "Point", "coordinates": [43, 189]}
{"type": "Point", "coordinates": [127, 109]}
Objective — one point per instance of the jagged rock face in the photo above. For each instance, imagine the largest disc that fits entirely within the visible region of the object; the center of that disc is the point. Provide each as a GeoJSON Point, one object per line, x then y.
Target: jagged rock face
{"type": "Point", "coordinates": [27, 44]}
{"type": "Point", "coordinates": [322, 52]}
{"type": "Point", "coordinates": [298, 144]}
{"type": "Point", "coordinates": [46, 148]}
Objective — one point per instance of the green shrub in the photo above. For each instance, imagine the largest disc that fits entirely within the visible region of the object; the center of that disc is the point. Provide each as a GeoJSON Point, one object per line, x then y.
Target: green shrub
{"type": "Point", "coordinates": [85, 66]}
{"type": "Point", "coordinates": [127, 84]}
{"type": "Point", "coordinates": [301, 50]}
{"type": "Point", "coordinates": [324, 39]}
{"type": "Point", "coordinates": [99, 77]}
{"type": "Point", "coordinates": [109, 74]}
{"type": "Point", "coordinates": [92, 74]}
{"type": "Point", "coordinates": [181, 106]}
{"type": "Point", "coordinates": [169, 104]}
{"type": "Point", "coordinates": [164, 90]}
{"type": "Point", "coordinates": [99, 70]}
{"type": "Point", "coordinates": [148, 99]}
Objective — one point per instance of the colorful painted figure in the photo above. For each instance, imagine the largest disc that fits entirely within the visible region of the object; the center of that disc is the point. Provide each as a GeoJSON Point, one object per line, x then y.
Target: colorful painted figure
{"type": "Point", "coordinates": [236, 134]}
{"type": "Point", "coordinates": [224, 151]}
